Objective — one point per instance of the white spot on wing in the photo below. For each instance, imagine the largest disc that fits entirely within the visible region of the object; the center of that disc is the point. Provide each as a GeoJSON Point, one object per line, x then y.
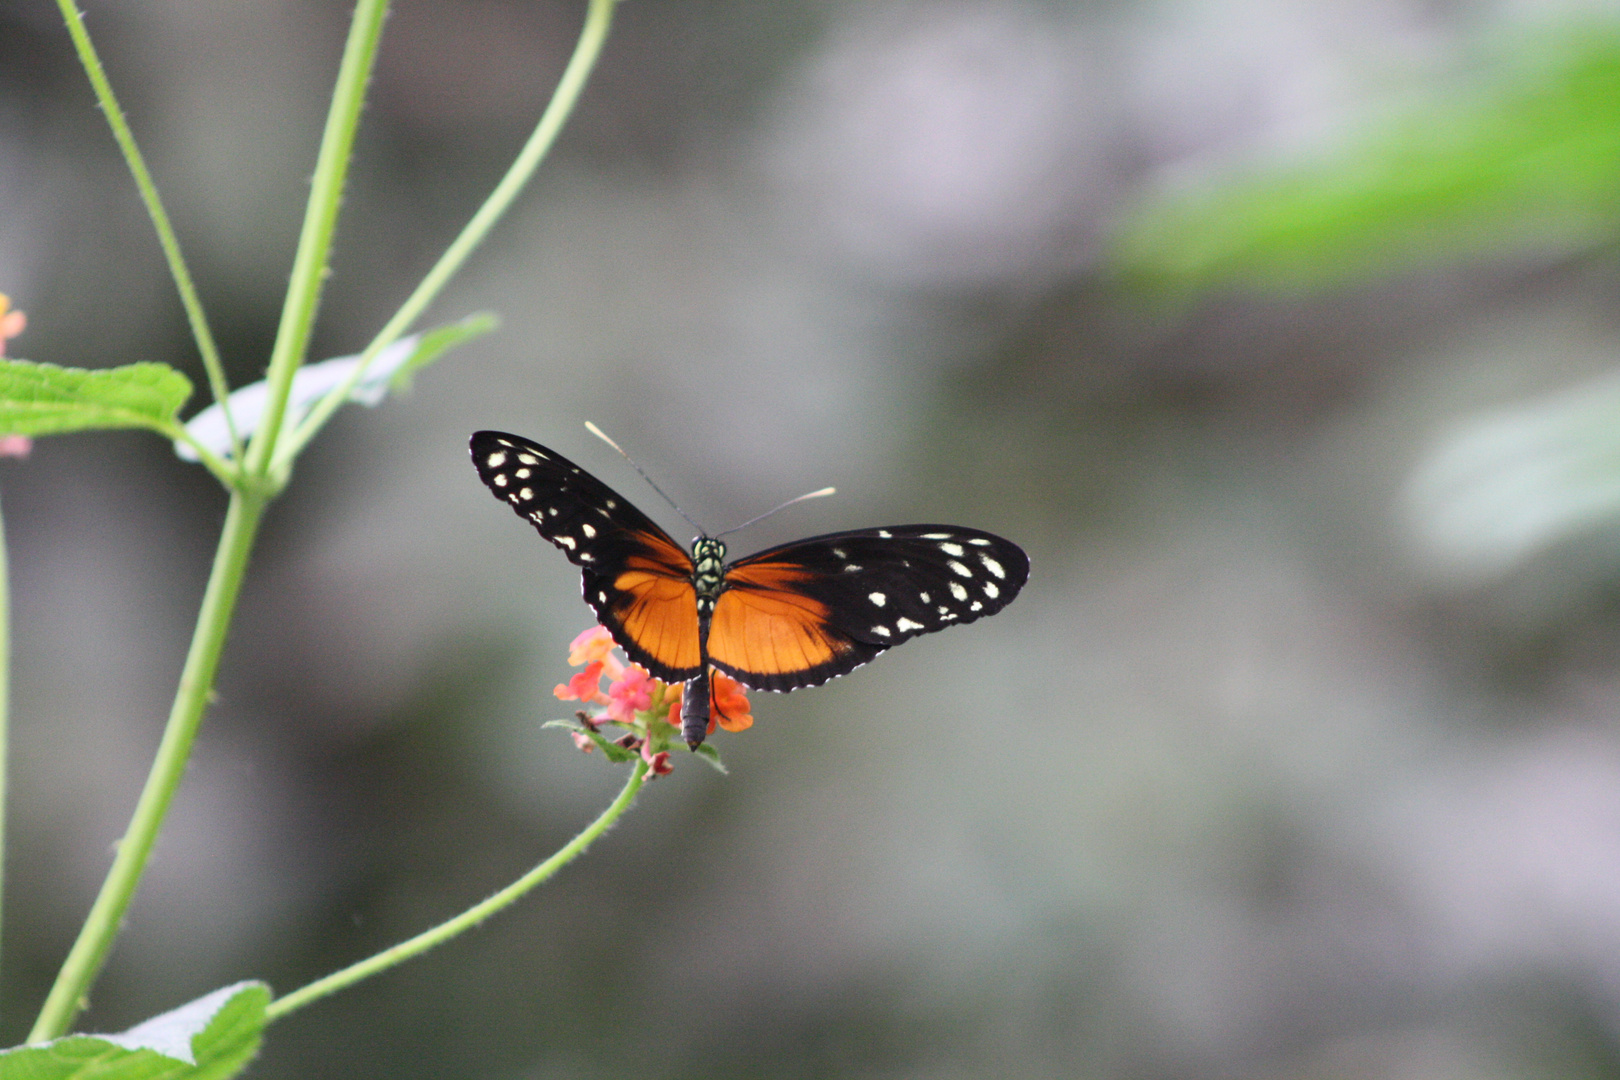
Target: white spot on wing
{"type": "Point", "coordinates": [958, 568]}
{"type": "Point", "coordinates": [952, 549]}
{"type": "Point", "coordinates": [990, 590]}
{"type": "Point", "coordinates": [906, 626]}
{"type": "Point", "coordinates": [881, 631]}
{"type": "Point", "coordinates": [886, 534]}
{"type": "Point", "coordinates": [877, 598]}
{"type": "Point", "coordinates": [528, 459]}
{"type": "Point", "coordinates": [980, 541]}
{"type": "Point", "coordinates": [850, 568]}
{"type": "Point", "coordinates": [959, 590]}
{"type": "Point", "coordinates": [924, 598]}
{"type": "Point", "coordinates": [936, 536]}
{"type": "Point", "coordinates": [840, 553]}
{"type": "Point", "coordinates": [611, 505]}
{"type": "Point", "coordinates": [522, 474]}
{"type": "Point", "coordinates": [588, 529]}
{"type": "Point", "coordinates": [992, 566]}
{"type": "Point", "coordinates": [566, 541]}
{"type": "Point", "coordinates": [975, 606]}
{"type": "Point", "coordinates": [496, 460]}
{"type": "Point", "coordinates": [499, 479]}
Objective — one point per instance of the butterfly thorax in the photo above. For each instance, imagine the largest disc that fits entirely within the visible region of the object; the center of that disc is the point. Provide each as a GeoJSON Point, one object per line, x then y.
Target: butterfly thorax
{"type": "Point", "coordinates": [708, 571]}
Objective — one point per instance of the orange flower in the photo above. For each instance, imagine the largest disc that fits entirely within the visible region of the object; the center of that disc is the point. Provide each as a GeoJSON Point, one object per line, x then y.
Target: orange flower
{"type": "Point", "coordinates": [730, 703]}
{"type": "Point", "coordinates": [11, 322]}
{"type": "Point", "coordinates": [595, 644]}
{"type": "Point", "coordinates": [584, 686]}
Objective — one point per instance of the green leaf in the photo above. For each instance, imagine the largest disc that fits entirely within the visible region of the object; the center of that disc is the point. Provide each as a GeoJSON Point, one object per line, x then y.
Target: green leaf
{"type": "Point", "coordinates": [709, 754]}
{"type": "Point", "coordinates": [44, 399]}
{"type": "Point", "coordinates": [1500, 487]}
{"type": "Point", "coordinates": [391, 370]}
{"type": "Point", "coordinates": [211, 1038]}
{"type": "Point", "coordinates": [610, 749]}
{"type": "Point", "coordinates": [1528, 162]}
{"type": "Point", "coordinates": [434, 343]}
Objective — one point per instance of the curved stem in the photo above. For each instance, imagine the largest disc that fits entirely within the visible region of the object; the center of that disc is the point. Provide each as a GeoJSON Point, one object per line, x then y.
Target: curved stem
{"type": "Point", "coordinates": [154, 208]}
{"type": "Point", "coordinates": [598, 19]}
{"type": "Point", "coordinates": [191, 699]}
{"type": "Point", "coordinates": [474, 915]}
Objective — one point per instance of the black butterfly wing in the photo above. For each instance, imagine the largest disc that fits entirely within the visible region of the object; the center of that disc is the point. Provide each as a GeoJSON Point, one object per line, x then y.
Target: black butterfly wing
{"type": "Point", "coordinates": [636, 579]}
{"type": "Point", "coordinates": [799, 614]}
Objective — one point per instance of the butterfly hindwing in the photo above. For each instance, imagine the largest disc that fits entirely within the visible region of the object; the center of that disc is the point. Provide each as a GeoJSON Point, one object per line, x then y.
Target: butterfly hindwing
{"type": "Point", "coordinates": [799, 614]}
{"type": "Point", "coordinates": [636, 578]}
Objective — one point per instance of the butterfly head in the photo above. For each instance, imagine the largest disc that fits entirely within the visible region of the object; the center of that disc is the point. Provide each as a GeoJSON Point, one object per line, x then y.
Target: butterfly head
{"type": "Point", "coordinates": [708, 569]}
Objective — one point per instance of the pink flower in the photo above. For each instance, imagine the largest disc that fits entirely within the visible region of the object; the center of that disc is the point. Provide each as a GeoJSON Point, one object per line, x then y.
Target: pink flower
{"type": "Point", "coordinates": [629, 694]}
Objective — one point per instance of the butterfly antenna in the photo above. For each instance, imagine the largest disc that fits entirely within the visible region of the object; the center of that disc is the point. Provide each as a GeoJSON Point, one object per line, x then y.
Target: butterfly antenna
{"type": "Point", "coordinates": [594, 430]}
{"type": "Point", "coordinates": [807, 495]}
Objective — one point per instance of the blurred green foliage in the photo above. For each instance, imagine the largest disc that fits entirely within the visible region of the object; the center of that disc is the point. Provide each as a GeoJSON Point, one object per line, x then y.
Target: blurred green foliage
{"type": "Point", "coordinates": [1526, 159]}
{"type": "Point", "coordinates": [1522, 163]}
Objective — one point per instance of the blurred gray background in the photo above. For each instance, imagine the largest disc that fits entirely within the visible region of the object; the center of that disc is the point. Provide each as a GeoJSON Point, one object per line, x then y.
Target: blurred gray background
{"type": "Point", "coordinates": [1248, 783]}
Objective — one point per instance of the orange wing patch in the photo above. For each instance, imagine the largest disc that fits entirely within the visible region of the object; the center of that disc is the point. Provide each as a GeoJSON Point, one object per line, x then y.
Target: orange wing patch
{"type": "Point", "coordinates": [655, 606]}
{"type": "Point", "coordinates": [659, 613]}
{"type": "Point", "coordinates": [762, 627]}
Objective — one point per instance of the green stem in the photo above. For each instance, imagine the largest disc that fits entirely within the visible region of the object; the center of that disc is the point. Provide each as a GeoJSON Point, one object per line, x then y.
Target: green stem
{"type": "Point", "coordinates": [176, 432]}
{"type": "Point", "coordinates": [320, 223]}
{"type": "Point", "coordinates": [598, 19]}
{"type": "Point", "coordinates": [468, 919]}
{"type": "Point", "coordinates": [95, 939]}
{"type": "Point", "coordinates": [196, 679]}
{"type": "Point", "coordinates": [154, 208]}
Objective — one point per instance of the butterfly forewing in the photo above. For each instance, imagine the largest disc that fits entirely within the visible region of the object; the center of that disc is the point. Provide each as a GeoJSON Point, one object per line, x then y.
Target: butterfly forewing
{"type": "Point", "coordinates": [799, 614]}
{"type": "Point", "coordinates": [636, 578]}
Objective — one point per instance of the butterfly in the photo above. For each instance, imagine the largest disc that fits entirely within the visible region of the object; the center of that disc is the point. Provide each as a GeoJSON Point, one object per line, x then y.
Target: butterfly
{"type": "Point", "coordinates": [795, 615]}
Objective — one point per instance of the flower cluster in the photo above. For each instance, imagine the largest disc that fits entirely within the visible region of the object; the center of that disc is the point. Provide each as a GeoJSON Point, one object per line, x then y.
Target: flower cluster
{"type": "Point", "coordinates": [12, 324]}
{"type": "Point", "coordinates": [648, 708]}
